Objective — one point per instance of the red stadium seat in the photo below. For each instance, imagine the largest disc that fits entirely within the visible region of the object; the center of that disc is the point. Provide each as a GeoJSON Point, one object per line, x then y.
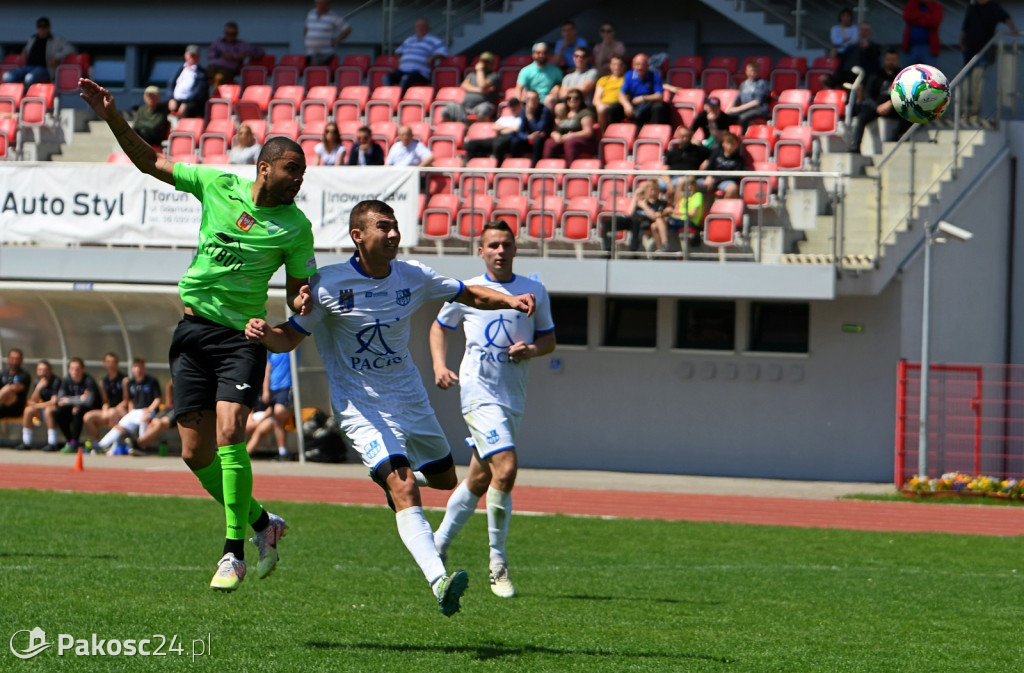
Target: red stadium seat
{"type": "Point", "coordinates": [446, 95]}
{"type": "Point", "coordinates": [414, 104]}
{"type": "Point", "coordinates": [448, 71]}
{"type": "Point", "coordinates": [789, 73]}
{"type": "Point", "coordinates": [382, 65]}
{"type": "Point", "coordinates": [543, 217]}
{"type": "Point", "coordinates": [726, 96]}
{"type": "Point", "coordinates": [217, 159]}
{"type": "Point", "coordinates": [651, 142]}
{"type": "Point", "coordinates": [251, 75]}
{"type": "Point", "coordinates": [473, 214]}
{"type": "Point", "coordinates": [318, 103]}
{"type": "Point", "coordinates": [764, 64]}
{"type": "Point", "coordinates": [685, 72]}
{"type": "Point", "coordinates": [578, 218]}
{"type": "Point", "coordinates": [254, 102]}
{"type": "Point", "coordinates": [447, 139]}
{"type": "Point", "coordinates": [383, 103]}
{"type": "Point", "coordinates": [71, 69]}
{"type": "Point", "coordinates": [688, 104]}
{"type": "Point", "coordinates": [512, 208]}
{"type": "Point", "coordinates": [384, 133]}
{"type": "Point", "coordinates": [545, 183]}
{"type": "Point", "coordinates": [287, 128]}
{"type": "Point", "coordinates": [443, 183]}
{"type": "Point", "coordinates": [826, 111]}
{"type": "Point", "coordinates": [259, 129]}
{"type": "Point", "coordinates": [509, 184]}
{"type": "Point", "coordinates": [352, 70]}
{"type": "Point", "coordinates": [581, 184]}
{"type": "Point", "coordinates": [617, 141]}
{"type": "Point", "coordinates": [612, 216]}
{"type": "Point", "coordinates": [718, 73]}
{"type": "Point", "coordinates": [791, 108]}
{"type": "Point", "coordinates": [478, 183]}
{"type": "Point", "coordinates": [286, 103]}
{"type": "Point", "coordinates": [759, 141]}
{"type": "Point", "coordinates": [351, 102]}
{"type": "Point", "coordinates": [821, 66]}
{"type": "Point", "coordinates": [794, 147]}
{"type": "Point", "coordinates": [285, 75]}
{"type": "Point", "coordinates": [439, 216]}
{"type": "Point", "coordinates": [724, 219]}
{"type": "Point", "coordinates": [316, 75]}
{"type": "Point", "coordinates": [11, 94]}
{"type": "Point", "coordinates": [610, 186]}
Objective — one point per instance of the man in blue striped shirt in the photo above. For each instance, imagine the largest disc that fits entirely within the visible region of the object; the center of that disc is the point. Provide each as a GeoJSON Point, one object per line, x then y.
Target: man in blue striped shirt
{"type": "Point", "coordinates": [419, 52]}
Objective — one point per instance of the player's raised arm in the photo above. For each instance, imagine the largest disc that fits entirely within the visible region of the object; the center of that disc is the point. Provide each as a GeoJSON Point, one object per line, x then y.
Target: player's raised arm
{"type": "Point", "coordinates": [280, 339]}
{"type": "Point", "coordinates": [138, 150]}
{"type": "Point", "coordinates": [444, 378]}
{"type": "Point", "coordinates": [484, 298]}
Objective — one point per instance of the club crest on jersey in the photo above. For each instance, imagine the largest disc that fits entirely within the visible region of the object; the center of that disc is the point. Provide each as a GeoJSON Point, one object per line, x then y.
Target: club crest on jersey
{"type": "Point", "coordinates": [403, 296]}
{"type": "Point", "coordinates": [245, 221]}
{"type": "Point", "coordinates": [346, 300]}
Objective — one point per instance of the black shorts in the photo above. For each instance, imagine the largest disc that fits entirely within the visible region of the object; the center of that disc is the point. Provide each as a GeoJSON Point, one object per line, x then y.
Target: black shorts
{"type": "Point", "coordinates": [211, 363]}
{"type": "Point", "coordinates": [282, 397]}
{"type": "Point", "coordinates": [15, 409]}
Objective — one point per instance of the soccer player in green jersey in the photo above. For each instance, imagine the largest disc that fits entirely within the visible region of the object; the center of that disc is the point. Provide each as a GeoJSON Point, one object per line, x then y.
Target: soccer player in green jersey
{"type": "Point", "coordinates": [248, 230]}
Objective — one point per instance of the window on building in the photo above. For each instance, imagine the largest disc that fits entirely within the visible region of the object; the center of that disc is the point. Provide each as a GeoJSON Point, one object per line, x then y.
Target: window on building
{"type": "Point", "coordinates": [630, 322]}
{"type": "Point", "coordinates": [706, 325]}
{"type": "Point", "coordinates": [570, 316]}
{"type": "Point", "coordinates": [779, 327]}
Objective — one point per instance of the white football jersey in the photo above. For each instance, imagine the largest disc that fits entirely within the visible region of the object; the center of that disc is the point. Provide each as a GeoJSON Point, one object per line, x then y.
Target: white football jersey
{"type": "Point", "coordinates": [487, 375]}
{"type": "Point", "coordinates": [361, 326]}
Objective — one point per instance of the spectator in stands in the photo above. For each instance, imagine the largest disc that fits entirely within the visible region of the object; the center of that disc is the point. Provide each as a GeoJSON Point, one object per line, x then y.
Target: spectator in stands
{"type": "Point", "coordinates": [642, 95]}
{"type": "Point", "coordinates": [874, 102]}
{"type": "Point", "coordinates": [42, 53]}
{"type": "Point", "coordinates": [535, 128]}
{"type": "Point", "coordinates": [151, 120]}
{"type": "Point", "coordinates": [189, 88]}
{"type": "Point", "coordinates": [727, 156]}
{"type": "Point", "coordinates": [865, 54]}
{"type": "Point", "coordinates": [575, 135]}
{"type": "Point", "coordinates": [647, 211]}
{"type": "Point", "coordinates": [843, 34]}
{"type": "Point", "coordinates": [711, 121]}
{"type": "Point", "coordinates": [684, 155]}
{"type": "Point", "coordinates": [921, 42]}
{"type": "Point", "coordinates": [143, 402]}
{"type": "Point", "coordinates": [753, 98]}
{"type": "Point", "coordinates": [685, 218]}
{"type": "Point", "coordinates": [162, 421]}
{"type": "Point", "coordinates": [567, 45]}
{"type": "Point", "coordinates": [224, 58]}
{"type": "Point", "coordinates": [365, 152]}
{"type": "Point", "coordinates": [408, 150]}
{"type": "Point", "coordinates": [244, 148]}
{"type": "Point", "coordinates": [582, 78]}
{"type": "Point", "coordinates": [419, 52]}
{"type": "Point", "coordinates": [78, 395]}
{"type": "Point", "coordinates": [507, 128]}
{"type": "Point", "coordinates": [329, 150]}
{"type": "Point", "coordinates": [40, 406]}
{"type": "Point", "coordinates": [539, 76]}
{"type": "Point", "coordinates": [324, 30]}
{"type": "Point", "coordinates": [113, 401]}
{"type": "Point", "coordinates": [981, 19]}
{"type": "Point", "coordinates": [14, 385]}
{"type": "Point", "coordinates": [606, 94]}
{"type": "Point", "coordinates": [607, 48]}
{"type": "Point", "coordinates": [481, 97]}
{"type": "Point", "coordinates": [277, 396]}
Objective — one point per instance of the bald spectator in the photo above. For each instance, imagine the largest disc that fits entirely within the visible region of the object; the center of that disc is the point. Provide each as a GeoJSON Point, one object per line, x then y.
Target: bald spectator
{"type": "Point", "coordinates": [540, 76]}
{"type": "Point", "coordinates": [420, 51]}
{"type": "Point", "coordinates": [409, 151]}
{"type": "Point", "coordinates": [642, 95]}
{"type": "Point", "coordinates": [224, 58]}
{"type": "Point", "coordinates": [324, 30]}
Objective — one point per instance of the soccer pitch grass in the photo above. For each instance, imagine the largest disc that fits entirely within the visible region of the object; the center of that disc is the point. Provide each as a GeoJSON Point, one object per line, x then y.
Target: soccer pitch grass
{"type": "Point", "coordinates": [594, 594]}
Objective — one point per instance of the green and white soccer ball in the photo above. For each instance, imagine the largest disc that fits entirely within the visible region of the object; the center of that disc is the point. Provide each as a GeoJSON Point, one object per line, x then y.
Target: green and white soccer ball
{"type": "Point", "coordinates": [920, 93]}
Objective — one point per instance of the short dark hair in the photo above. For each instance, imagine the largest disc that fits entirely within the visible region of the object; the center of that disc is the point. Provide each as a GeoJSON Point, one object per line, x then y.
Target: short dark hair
{"type": "Point", "coordinates": [111, 355]}
{"type": "Point", "coordinates": [892, 50]}
{"type": "Point", "coordinates": [231, 24]}
{"type": "Point", "coordinates": [16, 350]}
{"type": "Point", "coordinates": [76, 359]}
{"type": "Point", "coordinates": [357, 218]}
{"type": "Point", "coordinates": [138, 361]}
{"type": "Point", "coordinates": [47, 363]}
{"type": "Point", "coordinates": [276, 147]}
{"type": "Point", "coordinates": [364, 129]}
{"type": "Point", "coordinates": [42, 22]}
{"type": "Point", "coordinates": [497, 225]}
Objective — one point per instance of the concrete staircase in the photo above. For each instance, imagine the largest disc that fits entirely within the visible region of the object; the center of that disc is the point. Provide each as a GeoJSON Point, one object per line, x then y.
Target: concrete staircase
{"type": "Point", "coordinates": [93, 144]}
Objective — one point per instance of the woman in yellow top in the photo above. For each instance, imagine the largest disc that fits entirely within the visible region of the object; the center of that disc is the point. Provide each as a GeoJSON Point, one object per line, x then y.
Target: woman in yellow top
{"type": "Point", "coordinates": [606, 94]}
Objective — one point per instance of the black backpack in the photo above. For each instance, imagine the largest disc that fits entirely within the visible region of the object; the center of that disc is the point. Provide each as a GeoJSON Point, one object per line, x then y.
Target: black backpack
{"type": "Point", "coordinates": [323, 439]}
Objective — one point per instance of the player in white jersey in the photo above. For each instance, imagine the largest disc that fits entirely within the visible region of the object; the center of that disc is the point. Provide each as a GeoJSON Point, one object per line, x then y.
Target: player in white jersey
{"type": "Point", "coordinates": [492, 380]}
{"type": "Point", "coordinates": [360, 319]}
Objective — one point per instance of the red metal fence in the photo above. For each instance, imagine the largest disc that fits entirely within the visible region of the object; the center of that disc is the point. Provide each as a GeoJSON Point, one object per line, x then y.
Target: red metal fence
{"type": "Point", "coordinates": [975, 420]}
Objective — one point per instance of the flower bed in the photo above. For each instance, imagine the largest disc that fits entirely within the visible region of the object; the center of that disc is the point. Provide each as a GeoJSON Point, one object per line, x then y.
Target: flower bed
{"type": "Point", "coordinates": [958, 484]}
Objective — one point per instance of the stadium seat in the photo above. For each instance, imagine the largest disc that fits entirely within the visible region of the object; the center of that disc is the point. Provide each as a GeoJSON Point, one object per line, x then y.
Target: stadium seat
{"type": "Point", "coordinates": [538, 184]}
{"type": "Point", "coordinates": [756, 192]}
{"type": "Point", "coordinates": [826, 111]}
{"type": "Point", "coordinates": [474, 213]}
{"type": "Point", "coordinates": [764, 64]}
{"type": "Point", "coordinates": [581, 184]}
{"type": "Point", "coordinates": [439, 216]}
{"type": "Point", "coordinates": [446, 95]}
{"type": "Point", "coordinates": [447, 138]}
{"type": "Point", "coordinates": [251, 75]}
{"type": "Point", "coordinates": [791, 108]}
{"type": "Point", "coordinates": [717, 74]}
{"type": "Point", "coordinates": [789, 73]}
{"type": "Point", "coordinates": [288, 128]}
{"type": "Point", "coordinates": [347, 130]}
{"type": "Point", "coordinates": [612, 216]}
{"type": "Point", "coordinates": [267, 62]}
{"type": "Point", "coordinates": [651, 142]}
{"type": "Point", "coordinates": [612, 185]}
{"type": "Point", "coordinates": [11, 94]}
{"type": "Point", "coordinates": [509, 184]}
{"type": "Point", "coordinates": [318, 103]}
{"type": "Point", "coordinates": [308, 145]}
{"type": "Point", "coordinates": [217, 159]}
{"type": "Point", "coordinates": [794, 147]}
{"type": "Point", "coordinates": [383, 103]}
{"type": "Point", "coordinates": [214, 143]}
{"type": "Point", "coordinates": [254, 102]}
{"type": "Point", "coordinates": [351, 102]}
{"type": "Point", "coordinates": [685, 72]}
{"type": "Point", "coordinates": [443, 183]}
{"type": "Point", "coordinates": [384, 133]}
{"type": "Point", "coordinates": [448, 71]}
{"type": "Point", "coordinates": [512, 208]}
{"type": "Point", "coordinates": [724, 219]}
{"type": "Point", "coordinates": [71, 69]}
{"type": "Point", "coordinates": [12, 61]}
{"type": "Point", "coordinates": [477, 182]}
{"type": "Point", "coordinates": [414, 104]}
{"type": "Point", "coordinates": [285, 75]}
{"type": "Point", "coordinates": [420, 131]}
{"type": "Point", "coordinates": [382, 66]}
{"type": "Point", "coordinates": [297, 61]}
{"type": "Point", "coordinates": [480, 131]}
{"type": "Point", "coordinates": [759, 141]}
{"type": "Point", "coordinates": [286, 103]}
{"type": "Point", "coordinates": [352, 70]}
{"type": "Point", "coordinates": [578, 219]}
{"type": "Point", "coordinates": [726, 96]}
{"type": "Point", "coordinates": [688, 103]}
{"type": "Point", "coordinates": [820, 66]}
{"type": "Point", "coordinates": [316, 75]}
{"type": "Point", "coordinates": [259, 129]}
{"type": "Point", "coordinates": [617, 141]}
{"type": "Point", "coordinates": [543, 217]}
{"type": "Point", "coordinates": [222, 104]}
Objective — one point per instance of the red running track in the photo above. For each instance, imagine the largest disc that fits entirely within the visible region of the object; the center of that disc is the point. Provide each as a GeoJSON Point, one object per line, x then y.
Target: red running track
{"type": "Point", "coordinates": [802, 513]}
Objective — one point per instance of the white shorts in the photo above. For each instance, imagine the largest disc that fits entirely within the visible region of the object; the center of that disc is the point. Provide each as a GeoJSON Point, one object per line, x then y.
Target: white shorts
{"type": "Point", "coordinates": [416, 435]}
{"type": "Point", "coordinates": [135, 421]}
{"type": "Point", "coordinates": [493, 428]}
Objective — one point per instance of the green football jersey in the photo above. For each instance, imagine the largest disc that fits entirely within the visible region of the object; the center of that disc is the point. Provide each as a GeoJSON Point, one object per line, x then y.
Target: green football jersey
{"type": "Point", "coordinates": [241, 245]}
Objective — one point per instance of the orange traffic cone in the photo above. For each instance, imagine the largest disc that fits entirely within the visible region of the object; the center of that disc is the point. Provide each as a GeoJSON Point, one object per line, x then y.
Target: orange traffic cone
{"type": "Point", "coordinates": [78, 461]}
